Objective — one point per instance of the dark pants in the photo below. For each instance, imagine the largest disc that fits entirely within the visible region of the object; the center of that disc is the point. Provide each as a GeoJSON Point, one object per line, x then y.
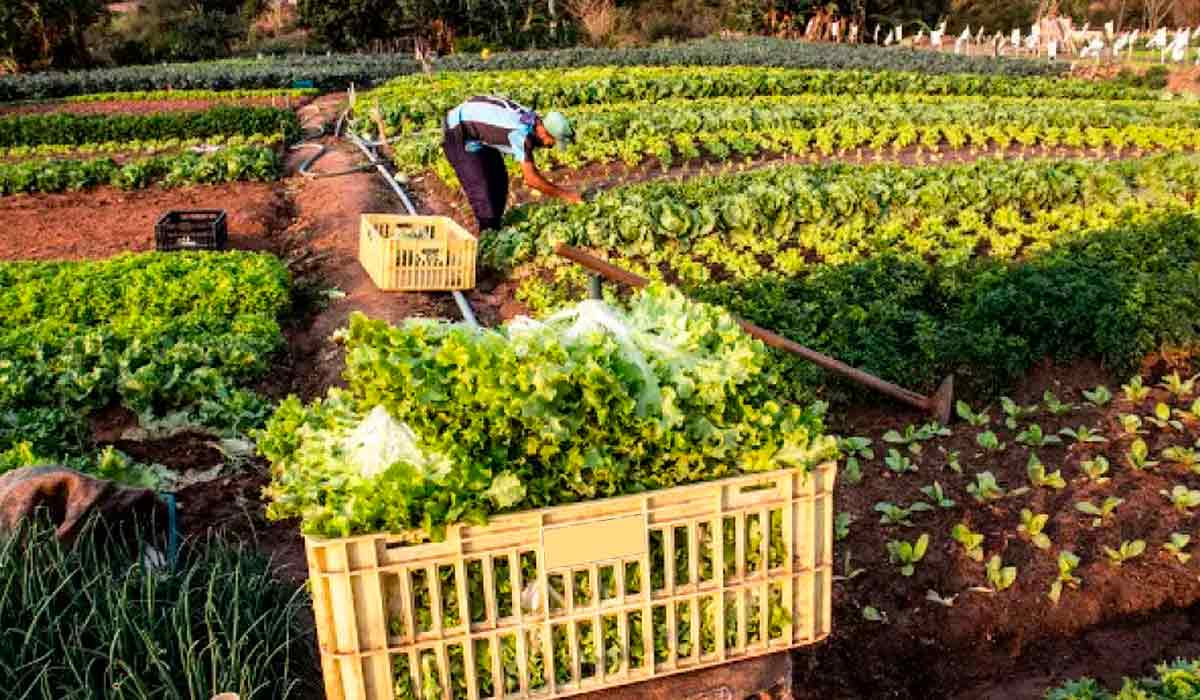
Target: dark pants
{"type": "Point", "coordinates": [483, 178]}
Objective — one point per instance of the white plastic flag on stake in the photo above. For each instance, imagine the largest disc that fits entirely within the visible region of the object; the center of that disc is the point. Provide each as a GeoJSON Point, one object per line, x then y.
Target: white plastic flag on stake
{"type": "Point", "coordinates": [899, 33]}
{"type": "Point", "coordinates": [887, 41]}
{"type": "Point", "coordinates": [836, 29]}
{"type": "Point", "coordinates": [876, 39]}
{"type": "Point", "coordinates": [1109, 29]}
{"type": "Point", "coordinates": [1016, 38]}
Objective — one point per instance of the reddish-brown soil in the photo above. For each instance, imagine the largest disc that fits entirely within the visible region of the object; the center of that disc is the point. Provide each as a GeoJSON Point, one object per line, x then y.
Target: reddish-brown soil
{"type": "Point", "coordinates": [146, 106]}
{"type": "Point", "coordinates": [1014, 643]}
{"type": "Point", "coordinates": [107, 221]}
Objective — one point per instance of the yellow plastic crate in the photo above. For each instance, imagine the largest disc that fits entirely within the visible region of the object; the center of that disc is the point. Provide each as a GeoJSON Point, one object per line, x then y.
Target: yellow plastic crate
{"type": "Point", "coordinates": [416, 253]}
{"type": "Point", "coordinates": [384, 628]}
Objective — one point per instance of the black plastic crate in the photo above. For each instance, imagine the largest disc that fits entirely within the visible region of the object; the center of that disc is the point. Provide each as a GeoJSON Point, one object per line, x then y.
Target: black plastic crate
{"type": "Point", "coordinates": [191, 230]}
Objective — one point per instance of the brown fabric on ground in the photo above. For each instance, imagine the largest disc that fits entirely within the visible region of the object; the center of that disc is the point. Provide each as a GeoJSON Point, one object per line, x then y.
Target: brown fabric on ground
{"type": "Point", "coordinates": [70, 497]}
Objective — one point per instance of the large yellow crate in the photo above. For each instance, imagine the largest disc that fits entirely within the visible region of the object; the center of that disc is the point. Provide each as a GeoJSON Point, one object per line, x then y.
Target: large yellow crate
{"type": "Point", "coordinates": [416, 253]}
{"type": "Point", "coordinates": [380, 619]}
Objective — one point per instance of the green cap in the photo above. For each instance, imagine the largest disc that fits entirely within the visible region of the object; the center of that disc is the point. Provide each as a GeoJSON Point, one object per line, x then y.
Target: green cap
{"type": "Point", "coordinates": [560, 128]}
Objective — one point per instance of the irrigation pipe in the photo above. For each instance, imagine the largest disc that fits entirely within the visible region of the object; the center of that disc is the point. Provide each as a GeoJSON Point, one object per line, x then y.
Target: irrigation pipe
{"type": "Point", "coordinates": [464, 307]}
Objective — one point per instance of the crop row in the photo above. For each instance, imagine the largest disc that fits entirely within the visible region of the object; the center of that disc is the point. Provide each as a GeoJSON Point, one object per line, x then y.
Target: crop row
{"type": "Point", "coordinates": [180, 95]}
{"type": "Point", "coordinates": [723, 128]}
{"type": "Point", "coordinates": [72, 129]}
{"type": "Point", "coordinates": [136, 147]}
{"type": "Point", "coordinates": [338, 71]}
{"type": "Point", "coordinates": [151, 332]}
{"type": "Point", "coordinates": [882, 265]}
{"type": "Point", "coordinates": [420, 102]}
{"type": "Point", "coordinates": [232, 164]}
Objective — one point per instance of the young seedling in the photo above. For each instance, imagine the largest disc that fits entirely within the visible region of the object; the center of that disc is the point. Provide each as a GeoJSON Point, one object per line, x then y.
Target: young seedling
{"type": "Point", "coordinates": [972, 542]}
{"type": "Point", "coordinates": [1098, 397]}
{"type": "Point", "coordinates": [1176, 545]}
{"type": "Point", "coordinates": [1185, 457]}
{"type": "Point", "coordinates": [841, 526]}
{"type": "Point", "coordinates": [855, 449]}
{"type": "Point", "coordinates": [1103, 513]}
{"type": "Point", "coordinates": [1054, 406]}
{"type": "Point", "coordinates": [1038, 478]}
{"type": "Point", "coordinates": [848, 571]}
{"type": "Point", "coordinates": [1128, 550]}
{"type": "Point", "coordinates": [1132, 423]}
{"type": "Point", "coordinates": [1095, 469]}
{"type": "Point", "coordinates": [1083, 435]}
{"type": "Point", "coordinates": [914, 434]}
{"type": "Point", "coordinates": [1067, 563]}
{"type": "Point", "coordinates": [1183, 498]}
{"type": "Point", "coordinates": [1162, 418]}
{"type": "Point", "coordinates": [1034, 437]}
{"type": "Point", "coordinates": [1013, 413]}
{"type": "Point", "coordinates": [952, 460]}
{"type": "Point", "coordinates": [1135, 391]}
{"type": "Point", "coordinates": [892, 514]}
{"type": "Point", "coordinates": [999, 576]}
{"type": "Point", "coordinates": [936, 495]}
{"type": "Point", "coordinates": [1191, 414]}
{"type": "Point", "coordinates": [1139, 455]}
{"type": "Point", "coordinates": [988, 441]}
{"type": "Point", "coordinates": [871, 614]}
{"type": "Point", "coordinates": [1032, 526]}
{"type": "Point", "coordinates": [899, 463]}
{"type": "Point", "coordinates": [1177, 386]}
{"type": "Point", "coordinates": [979, 420]}
{"type": "Point", "coordinates": [985, 488]}
{"type": "Point", "coordinates": [907, 554]}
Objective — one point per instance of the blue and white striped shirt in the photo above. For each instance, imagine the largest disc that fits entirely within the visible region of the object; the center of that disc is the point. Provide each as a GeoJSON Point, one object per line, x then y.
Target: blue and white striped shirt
{"type": "Point", "coordinates": [495, 122]}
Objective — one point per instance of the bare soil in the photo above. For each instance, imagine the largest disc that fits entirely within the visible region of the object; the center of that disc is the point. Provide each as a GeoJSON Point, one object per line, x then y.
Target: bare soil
{"type": "Point", "coordinates": [107, 221]}
{"type": "Point", "coordinates": [147, 106]}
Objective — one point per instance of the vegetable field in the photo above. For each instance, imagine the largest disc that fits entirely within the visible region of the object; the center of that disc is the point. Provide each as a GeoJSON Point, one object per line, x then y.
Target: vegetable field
{"type": "Point", "coordinates": [913, 214]}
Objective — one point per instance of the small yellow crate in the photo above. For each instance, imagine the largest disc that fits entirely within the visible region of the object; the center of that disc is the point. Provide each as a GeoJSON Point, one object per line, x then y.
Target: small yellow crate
{"type": "Point", "coordinates": [416, 253]}
{"type": "Point", "coordinates": [581, 597]}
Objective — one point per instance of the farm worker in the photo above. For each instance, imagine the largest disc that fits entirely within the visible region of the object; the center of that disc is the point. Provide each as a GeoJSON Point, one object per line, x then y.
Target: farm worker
{"type": "Point", "coordinates": [475, 134]}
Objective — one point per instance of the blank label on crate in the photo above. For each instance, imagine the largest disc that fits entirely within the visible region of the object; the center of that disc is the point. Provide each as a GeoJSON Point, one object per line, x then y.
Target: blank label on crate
{"type": "Point", "coordinates": [600, 540]}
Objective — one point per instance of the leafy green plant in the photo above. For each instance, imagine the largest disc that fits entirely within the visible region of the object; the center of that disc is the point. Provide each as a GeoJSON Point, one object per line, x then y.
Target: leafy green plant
{"type": "Point", "coordinates": [1083, 435]}
{"type": "Point", "coordinates": [1185, 457]}
{"type": "Point", "coordinates": [1176, 545]}
{"type": "Point", "coordinates": [985, 488]}
{"type": "Point", "coordinates": [855, 449]}
{"type": "Point", "coordinates": [914, 434]}
{"type": "Point", "coordinates": [1039, 478]}
{"type": "Point", "coordinates": [937, 496]}
{"type": "Point", "coordinates": [1095, 469]}
{"type": "Point", "coordinates": [1032, 526]}
{"type": "Point", "coordinates": [841, 526]}
{"type": "Point", "coordinates": [988, 441]}
{"type": "Point", "coordinates": [1177, 386]}
{"type": "Point", "coordinates": [953, 462]}
{"type": "Point", "coordinates": [1135, 391]}
{"type": "Point", "coordinates": [899, 463]}
{"type": "Point", "coordinates": [1103, 513]}
{"type": "Point", "coordinates": [906, 555]}
{"type": "Point", "coordinates": [972, 542]}
{"type": "Point", "coordinates": [1162, 418]}
{"type": "Point", "coordinates": [1054, 406]}
{"type": "Point", "coordinates": [979, 420]}
{"type": "Point", "coordinates": [1138, 455]}
{"type": "Point", "coordinates": [892, 514]}
{"type": "Point", "coordinates": [551, 416]}
{"type": "Point", "coordinates": [1132, 424]}
{"type": "Point", "coordinates": [1183, 498]}
{"type": "Point", "coordinates": [873, 614]}
{"type": "Point", "coordinates": [1000, 577]}
{"type": "Point", "coordinates": [1015, 413]}
{"type": "Point", "coordinates": [1068, 562]}
{"type": "Point", "coordinates": [1127, 551]}
{"type": "Point", "coordinates": [1033, 437]}
{"type": "Point", "coordinates": [1098, 397]}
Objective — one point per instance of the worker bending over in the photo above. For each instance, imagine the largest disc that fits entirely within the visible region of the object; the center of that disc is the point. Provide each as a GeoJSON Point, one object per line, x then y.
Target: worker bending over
{"type": "Point", "coordinates": [478, 131]}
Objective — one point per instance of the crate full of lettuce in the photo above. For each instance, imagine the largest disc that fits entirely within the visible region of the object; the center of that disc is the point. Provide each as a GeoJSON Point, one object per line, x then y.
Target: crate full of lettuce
{"type": "Point", "coordinates": [600, 497]}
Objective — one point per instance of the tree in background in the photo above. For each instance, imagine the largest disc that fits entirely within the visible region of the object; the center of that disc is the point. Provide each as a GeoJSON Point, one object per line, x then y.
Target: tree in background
{"type": "Point", "coordinates": [46, 33]}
